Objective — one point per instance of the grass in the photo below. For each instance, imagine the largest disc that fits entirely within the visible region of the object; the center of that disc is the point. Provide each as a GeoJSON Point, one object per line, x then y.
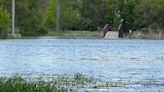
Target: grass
{"type": "Point", "coordinates": [75, 33]}
{"type": "Point", "coordinates": [66, 33]}
{"type": "Point", "coordinates": [67, 83]}
{"type": "Point", "coordinates": [57, 83]}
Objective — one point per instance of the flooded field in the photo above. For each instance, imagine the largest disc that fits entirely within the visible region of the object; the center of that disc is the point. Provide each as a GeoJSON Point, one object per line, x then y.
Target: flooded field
{"type": "Point", "coordinates": [123, 64]}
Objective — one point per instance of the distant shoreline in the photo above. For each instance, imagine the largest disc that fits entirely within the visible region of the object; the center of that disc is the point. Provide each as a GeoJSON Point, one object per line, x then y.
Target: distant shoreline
{"type": "Point", "coordinates": [93, 35]}
{"type": "Point", "coordinates": [145, 35]}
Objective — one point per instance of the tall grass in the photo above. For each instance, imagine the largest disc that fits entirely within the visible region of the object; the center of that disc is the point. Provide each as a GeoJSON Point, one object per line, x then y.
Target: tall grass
{"type": "Point", "coordinates": [57, 83]}
{"type": "Point", "coordinates": [67, 83]}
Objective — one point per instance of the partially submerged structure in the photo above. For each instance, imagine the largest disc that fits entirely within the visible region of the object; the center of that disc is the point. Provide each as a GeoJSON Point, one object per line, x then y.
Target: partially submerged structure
{"type": "Point", "coordinates": [109, 33]}
{"type": "Point", "coordinates": [112, 34]}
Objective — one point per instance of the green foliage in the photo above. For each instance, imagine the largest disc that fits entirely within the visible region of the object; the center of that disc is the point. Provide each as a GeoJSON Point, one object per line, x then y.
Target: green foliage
{"type": "Point", "coordinates": [36, 17]}
{"type": "Point", "coordinates": [29, 18]}
{"type": "Point", "coordinates": [18, 84]}
{"type": "Point", "coordinates": [58, 83]}
{"type": "Point", "coordinates": [92, 14]}
{"type": "Point", "coordinates": [150, 14]}
{"type": "Point", "coordinates": [110, 15]}
{"type": "Point", "coordinates": [69, 19]}
{"type": "Point", "coordinates": [49, 18]}
{"type": "Point", "coordinates": [115, 10]}
{"type": "Point", "coordinates": [4, 23]}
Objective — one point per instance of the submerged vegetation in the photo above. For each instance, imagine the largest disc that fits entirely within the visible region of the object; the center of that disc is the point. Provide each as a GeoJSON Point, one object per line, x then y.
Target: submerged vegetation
{"type": "Point", "coordinates": [58, 83]}
{"type": "Point", "coordinates": [64, 83]}
{"type": "Point", "coordinates": [38, 17]}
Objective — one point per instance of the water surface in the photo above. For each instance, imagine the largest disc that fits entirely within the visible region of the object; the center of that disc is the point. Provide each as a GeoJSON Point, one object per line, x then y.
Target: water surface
{"type": "Point", "coordinates": [122, 59]}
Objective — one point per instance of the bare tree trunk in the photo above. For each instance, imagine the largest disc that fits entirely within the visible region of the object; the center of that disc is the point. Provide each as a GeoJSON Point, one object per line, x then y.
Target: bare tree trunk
{"type": "Point", "coordinates": [58, 16]}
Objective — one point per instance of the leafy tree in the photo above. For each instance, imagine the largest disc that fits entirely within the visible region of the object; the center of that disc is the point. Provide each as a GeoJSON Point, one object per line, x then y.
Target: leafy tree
{"type": "Point", "coordinates": [150, 14]}
{"type": "Point", "coordinates": [92, 14]}
{"type": "Point", "coordinates": [115, 10]}
{"type": "Point", "coordinates": [69, 18]}
{"type": "Point", "coordinates": [4, 23]}
{"type": "Point", "coordinates": [49, 17]}
{"type": "Point", "coordinates": [111, 17]}
{"type": "Point", "coordinates": [34, 17]}
{"type": "Point", "coordinates": [29, 18]}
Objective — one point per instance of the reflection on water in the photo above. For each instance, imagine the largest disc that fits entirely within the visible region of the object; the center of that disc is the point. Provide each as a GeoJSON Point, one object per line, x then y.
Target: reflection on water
{"type": "Point", "coordinates": [131, 60]}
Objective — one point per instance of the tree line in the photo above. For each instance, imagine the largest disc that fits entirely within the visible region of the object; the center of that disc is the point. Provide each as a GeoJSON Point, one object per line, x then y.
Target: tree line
{"type": "Point", "coordinates": [37, 17]}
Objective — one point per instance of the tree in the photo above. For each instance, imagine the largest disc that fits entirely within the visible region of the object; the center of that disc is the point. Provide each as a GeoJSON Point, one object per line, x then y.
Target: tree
{"type": "Point", "coordinates": [29, 18]}
{"type": "Point", "coordinates": [69, 19]}
{"type": "Point", "coordinates": [92, 13]}
{"type": "Point", "coordinates": [111, 17]}
{"type": "Point", "coordinates": [115, 10]}
{"type": "Point", "coordinates": [70, 16]}
{"type": "Point", "coordinates": [4, 23]}
{"type": "Point", "coordinates": [150, 14]}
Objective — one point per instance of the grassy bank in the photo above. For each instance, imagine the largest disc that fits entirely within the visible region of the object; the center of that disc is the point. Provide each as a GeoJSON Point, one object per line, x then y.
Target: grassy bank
{"type": "Point", "coordinates": [67, 33]}
{"type": "Point", "coordinates": [145, 35]}
{"type": "Point", "coordinates": [75, 33]}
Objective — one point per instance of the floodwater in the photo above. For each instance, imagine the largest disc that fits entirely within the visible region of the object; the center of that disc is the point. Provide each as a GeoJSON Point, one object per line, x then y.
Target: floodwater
{"type": "Point", "coordinates": [139, 63]}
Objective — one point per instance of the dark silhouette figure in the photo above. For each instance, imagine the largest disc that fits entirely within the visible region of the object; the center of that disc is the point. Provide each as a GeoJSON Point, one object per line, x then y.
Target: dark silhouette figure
{"type": "Point", "coordinates": [106, 29]}
{"type": "Point", "coordinates": [121, 28]}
